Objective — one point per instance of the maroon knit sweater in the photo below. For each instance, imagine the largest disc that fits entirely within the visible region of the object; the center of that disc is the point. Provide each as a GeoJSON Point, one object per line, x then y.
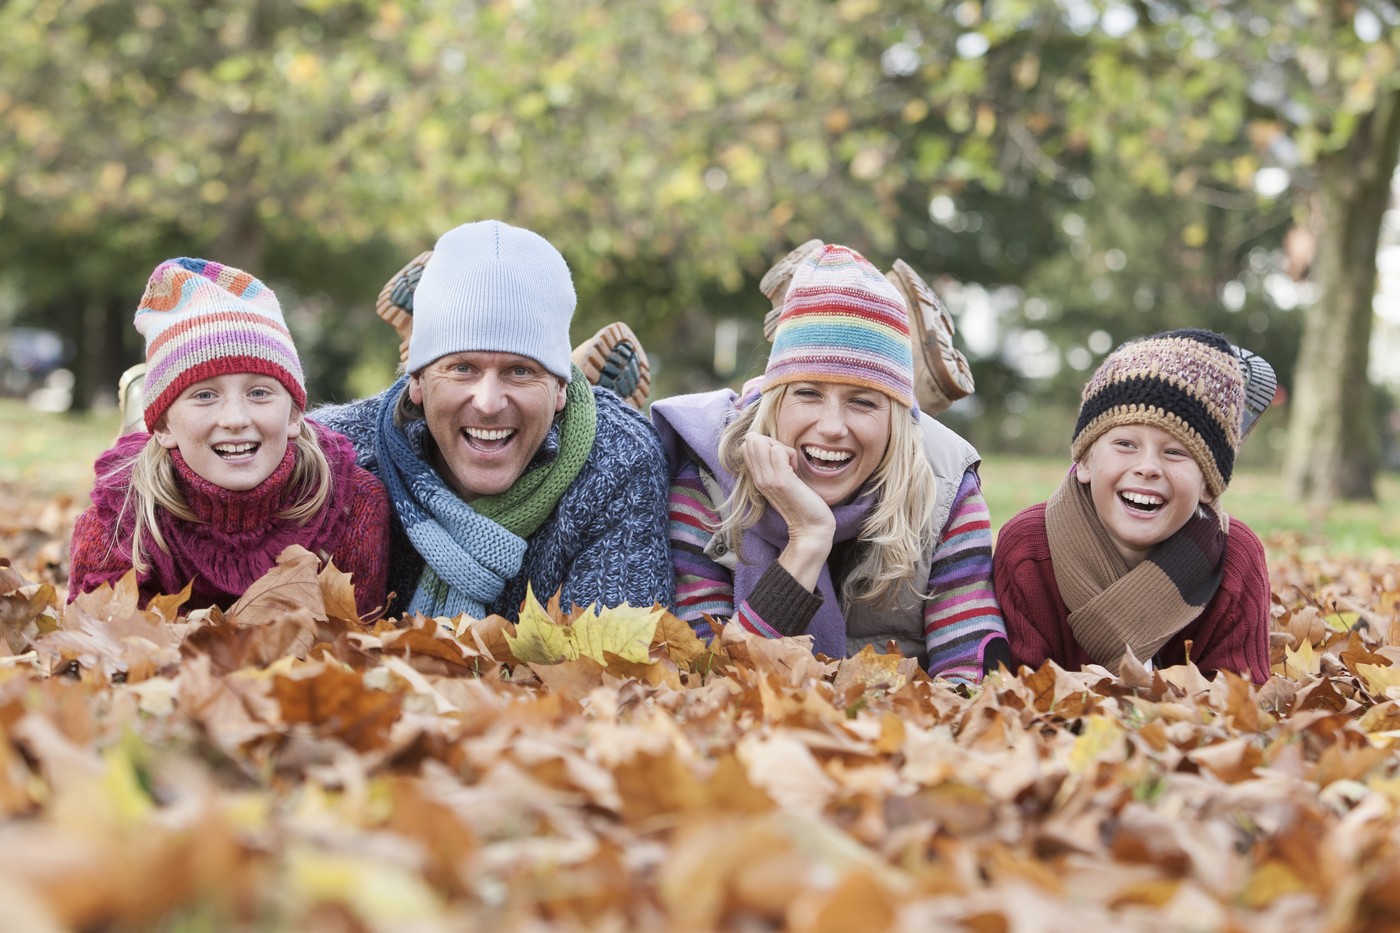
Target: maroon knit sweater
{"type": "Point", "coordinates": [239, 534]}
{"type": "Point", "coordinates": [1231, 633]}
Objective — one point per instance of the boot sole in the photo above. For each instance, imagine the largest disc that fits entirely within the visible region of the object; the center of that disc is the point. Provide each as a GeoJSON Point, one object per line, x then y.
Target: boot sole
{"type": "Point", "coordinates": [941, 373]}
{"type": "Point", "coordinates": [614, 359]}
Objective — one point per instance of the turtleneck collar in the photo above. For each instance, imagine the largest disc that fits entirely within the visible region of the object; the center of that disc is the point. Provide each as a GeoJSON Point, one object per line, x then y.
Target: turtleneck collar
{"type": "Point", "coordinates": [235, 511]}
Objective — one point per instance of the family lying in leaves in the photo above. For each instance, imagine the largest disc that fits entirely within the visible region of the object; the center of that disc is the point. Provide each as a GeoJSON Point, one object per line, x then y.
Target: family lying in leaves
{"type": "Point", "coordinates": [822, 500]}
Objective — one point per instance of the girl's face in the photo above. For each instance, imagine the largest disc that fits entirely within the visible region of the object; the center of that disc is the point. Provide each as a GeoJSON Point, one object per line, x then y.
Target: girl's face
{"type": "Point", "coordinates": [232, 430]}
{"type": "Point", "coordinates": [840, 433]}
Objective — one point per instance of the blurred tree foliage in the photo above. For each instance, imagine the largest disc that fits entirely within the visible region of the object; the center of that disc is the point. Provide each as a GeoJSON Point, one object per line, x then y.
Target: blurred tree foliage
{"type": "Point", "coordinates": [1068, 174]}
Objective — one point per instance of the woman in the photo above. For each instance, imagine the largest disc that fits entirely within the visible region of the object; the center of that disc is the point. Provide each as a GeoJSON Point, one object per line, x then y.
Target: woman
{"type": "Point", "coordinates": [821, 502]}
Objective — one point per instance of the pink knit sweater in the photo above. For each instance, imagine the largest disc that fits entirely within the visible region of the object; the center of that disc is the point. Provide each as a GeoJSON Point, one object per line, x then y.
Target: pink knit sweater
{"type": "Point", "coordinates": [239, 534]}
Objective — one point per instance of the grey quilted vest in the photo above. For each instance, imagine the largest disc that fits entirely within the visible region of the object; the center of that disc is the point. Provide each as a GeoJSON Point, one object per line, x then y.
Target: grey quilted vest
{"type": "Point", "coordinates": [903, 620]}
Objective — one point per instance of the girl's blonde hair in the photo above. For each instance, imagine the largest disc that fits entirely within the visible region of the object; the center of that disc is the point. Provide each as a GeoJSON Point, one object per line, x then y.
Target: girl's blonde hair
{"type": "Point", "coordinates": [897, 533]}
{"type": "Point", "coordinates": [153, 487]}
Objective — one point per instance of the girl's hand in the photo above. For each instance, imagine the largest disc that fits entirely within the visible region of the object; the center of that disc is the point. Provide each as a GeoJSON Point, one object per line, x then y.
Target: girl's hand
{"type": "Point", "coordinates": [811, 525]}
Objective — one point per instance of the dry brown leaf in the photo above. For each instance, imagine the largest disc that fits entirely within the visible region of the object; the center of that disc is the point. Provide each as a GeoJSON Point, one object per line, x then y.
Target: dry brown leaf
{"type": "Point", "coordinates": [338, 594]}
{"type": "Point", "coordinates": [291, 589]}
{"type": "Point", "coordinates": [337, 703]}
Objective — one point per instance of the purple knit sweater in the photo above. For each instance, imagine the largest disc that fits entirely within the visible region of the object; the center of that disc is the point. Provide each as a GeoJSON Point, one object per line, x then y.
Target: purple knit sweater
{"type": "Point", "coordinates": [239, 534]}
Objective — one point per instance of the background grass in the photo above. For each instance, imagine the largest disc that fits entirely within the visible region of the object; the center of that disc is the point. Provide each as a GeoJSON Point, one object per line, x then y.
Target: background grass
{"type": "Point", "coordinates": [47, 454]}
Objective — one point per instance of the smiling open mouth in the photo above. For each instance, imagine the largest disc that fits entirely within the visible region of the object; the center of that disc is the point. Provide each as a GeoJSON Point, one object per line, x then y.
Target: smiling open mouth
{"type": "Point", "coordinates": [826, 461]}
{"type": "Point", "coordinates": [1139, 502]}
{"type": "Point", "coordinates": [488, 438]}
{"type": "Point", "coordinates": [235, 451]}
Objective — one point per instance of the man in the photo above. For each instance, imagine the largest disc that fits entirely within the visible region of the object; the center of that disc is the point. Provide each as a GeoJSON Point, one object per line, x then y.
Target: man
{"type": "Point", "coordinates": [504, 465]}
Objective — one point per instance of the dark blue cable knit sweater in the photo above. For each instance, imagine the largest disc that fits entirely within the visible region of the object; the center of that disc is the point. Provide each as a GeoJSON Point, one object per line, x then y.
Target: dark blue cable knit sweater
{"type": "Point", "coordinates": [606, 541]}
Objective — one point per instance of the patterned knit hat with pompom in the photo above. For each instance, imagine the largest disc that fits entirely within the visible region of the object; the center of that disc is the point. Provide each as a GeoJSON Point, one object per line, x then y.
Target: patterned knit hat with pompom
{"type": "Point", "coordinates": [203, 319]}
{"type": "Point", "coordinates": [842, 321]}
{"type": "Point", "coordinates": [1186, 382]}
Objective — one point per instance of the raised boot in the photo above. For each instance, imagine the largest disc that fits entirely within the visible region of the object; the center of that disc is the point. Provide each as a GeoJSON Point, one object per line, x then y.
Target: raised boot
{"type": "Point", "coordinates": [941, 373]}
{"type": "Point", "coordinates": [395, 302]}
{"type": "Point", "coordinates": [775, 281]}
{"type": "Point", "coordinates": [614, 359]}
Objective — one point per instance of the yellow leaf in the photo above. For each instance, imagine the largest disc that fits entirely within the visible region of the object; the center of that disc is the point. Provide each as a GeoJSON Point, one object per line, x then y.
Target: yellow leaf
{"type": "Point", "coordinates": [1379, 677]}
{"type": "Point", "coordinates": [1096, 743]}
{"type": "Point", "coordinates": [382, 894]}
{"type": "Point", "coordinates": [537, 639]}
{"type": "Point", "coordinates": [1343, 621]}
{"type": "Point", "coordinates": [112, 798]}
{"type": "Point", "coordinates": [625, 631]}
{"type": "Point", "coordinates": [1302, 661]}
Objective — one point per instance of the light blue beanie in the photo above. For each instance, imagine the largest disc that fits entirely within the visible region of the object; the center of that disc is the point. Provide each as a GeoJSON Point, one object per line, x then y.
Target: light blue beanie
{"type": "Point", "coordinates": [493, 287]}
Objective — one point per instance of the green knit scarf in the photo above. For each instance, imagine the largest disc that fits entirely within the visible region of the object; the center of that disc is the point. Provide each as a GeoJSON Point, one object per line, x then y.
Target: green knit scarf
{"type": "Point", "coordinates": [525, 506]}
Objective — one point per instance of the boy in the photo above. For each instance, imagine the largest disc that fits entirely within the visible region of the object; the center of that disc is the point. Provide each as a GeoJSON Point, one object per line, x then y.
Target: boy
{"type": "Point", "coordinates": [1131, 553]}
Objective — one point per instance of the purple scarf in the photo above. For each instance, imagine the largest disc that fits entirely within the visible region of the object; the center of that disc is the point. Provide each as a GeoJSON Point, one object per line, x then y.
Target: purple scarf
{"type": "Point", "coordinates": [690, 427]}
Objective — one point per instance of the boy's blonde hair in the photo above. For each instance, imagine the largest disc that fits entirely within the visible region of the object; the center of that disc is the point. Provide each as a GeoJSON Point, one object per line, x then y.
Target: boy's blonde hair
{"type": "Point", "coordinates": [897, 533]}
{"type": "Point", "coordinates": [153, 486]}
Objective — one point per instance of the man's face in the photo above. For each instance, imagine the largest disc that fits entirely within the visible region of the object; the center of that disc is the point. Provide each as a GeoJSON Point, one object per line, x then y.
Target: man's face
{"type": "Point", "coordinates": [488, 413]}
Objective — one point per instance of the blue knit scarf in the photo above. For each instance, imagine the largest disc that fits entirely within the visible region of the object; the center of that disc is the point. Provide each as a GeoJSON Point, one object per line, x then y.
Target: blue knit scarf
{"type": "Point", "coordinates": [468, 557]}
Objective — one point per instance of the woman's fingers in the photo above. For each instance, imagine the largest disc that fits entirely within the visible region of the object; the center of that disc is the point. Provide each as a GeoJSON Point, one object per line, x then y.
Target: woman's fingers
{"type": "Point", "coordinates": [774, 469]}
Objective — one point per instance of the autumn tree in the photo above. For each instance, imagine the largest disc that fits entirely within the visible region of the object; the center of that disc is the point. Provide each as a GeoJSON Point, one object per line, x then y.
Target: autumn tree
{"type": "Point", "coordinates": [1192, 100]}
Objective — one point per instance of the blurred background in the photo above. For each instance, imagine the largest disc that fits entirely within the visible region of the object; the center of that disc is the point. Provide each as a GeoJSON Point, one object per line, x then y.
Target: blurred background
{"type": "Point", "coordinates": [1066, 174]}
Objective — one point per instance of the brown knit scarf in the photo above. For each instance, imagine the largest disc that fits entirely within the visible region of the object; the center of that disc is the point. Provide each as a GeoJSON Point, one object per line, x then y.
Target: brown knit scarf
{"type": "Point", "coordinates": [1113, 608]}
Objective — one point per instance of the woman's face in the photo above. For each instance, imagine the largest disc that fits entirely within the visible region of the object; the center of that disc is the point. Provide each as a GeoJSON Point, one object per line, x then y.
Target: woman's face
{"type": "Point", "coordinates": [840, 433]}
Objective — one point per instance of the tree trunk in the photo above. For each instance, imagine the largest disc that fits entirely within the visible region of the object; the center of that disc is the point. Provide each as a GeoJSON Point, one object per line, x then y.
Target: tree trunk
{"type": "Point", "coordinates": [1332, 444]}
{"type": "Point", "coordinates": [242, 241]}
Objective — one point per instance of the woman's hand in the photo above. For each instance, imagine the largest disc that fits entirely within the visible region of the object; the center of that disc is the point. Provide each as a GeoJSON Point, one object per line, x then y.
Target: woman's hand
{"type": "Point", "coordinates": [811, 525]}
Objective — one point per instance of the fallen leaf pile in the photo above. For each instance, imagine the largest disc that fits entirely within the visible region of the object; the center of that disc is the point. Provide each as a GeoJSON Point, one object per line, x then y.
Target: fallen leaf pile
{"type": "Point", "coordinates": [283, 766]}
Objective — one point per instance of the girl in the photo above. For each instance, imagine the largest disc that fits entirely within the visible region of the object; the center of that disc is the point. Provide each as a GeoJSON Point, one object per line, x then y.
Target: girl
{"type": "Point", "coordinates": [231, 472]}
{"type": "Point", "coordinates": [822, 502]}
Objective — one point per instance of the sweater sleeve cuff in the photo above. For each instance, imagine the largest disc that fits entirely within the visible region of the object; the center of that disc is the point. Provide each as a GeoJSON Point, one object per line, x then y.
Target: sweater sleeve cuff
{"type": "Point", "coordinates": [782, 603]}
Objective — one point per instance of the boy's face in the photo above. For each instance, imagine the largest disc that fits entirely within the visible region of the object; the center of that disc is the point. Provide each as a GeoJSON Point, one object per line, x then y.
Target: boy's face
{"type": "Point", "coordinates": [1145, 486]}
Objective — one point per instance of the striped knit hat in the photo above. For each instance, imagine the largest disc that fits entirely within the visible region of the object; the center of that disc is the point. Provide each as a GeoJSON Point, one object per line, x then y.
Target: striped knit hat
{"type": "Point", "coordinates": [1186, 382]}
{"type": "Point", "coordinates": [203, 319]}
{"type": "Point", "coordinates": [842, 321]}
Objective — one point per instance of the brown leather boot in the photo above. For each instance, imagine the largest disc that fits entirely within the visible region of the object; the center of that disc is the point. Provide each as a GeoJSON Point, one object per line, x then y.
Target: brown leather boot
{"type": "Point", "coordinates": [395, 302]}
{"type": "Point", "coordinates": [775, 283]}
{"type": "Point", "coordinates": [941, 373]}
{"type": "Point", "coordinates": [614, 359]}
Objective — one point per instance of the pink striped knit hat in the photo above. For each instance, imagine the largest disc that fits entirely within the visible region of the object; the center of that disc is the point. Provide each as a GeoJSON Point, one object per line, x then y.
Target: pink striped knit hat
{"type": "Point", "coordinates": [842, 321]}
{"type": "Point", "coordinates": [203, 319]}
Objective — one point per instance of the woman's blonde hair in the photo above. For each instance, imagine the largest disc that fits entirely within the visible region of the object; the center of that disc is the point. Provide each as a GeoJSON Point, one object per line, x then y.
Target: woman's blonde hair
{"type": "Point", "coordinates": [153, 486]}
{"type": "Point", "coordinates": [897, 533]}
